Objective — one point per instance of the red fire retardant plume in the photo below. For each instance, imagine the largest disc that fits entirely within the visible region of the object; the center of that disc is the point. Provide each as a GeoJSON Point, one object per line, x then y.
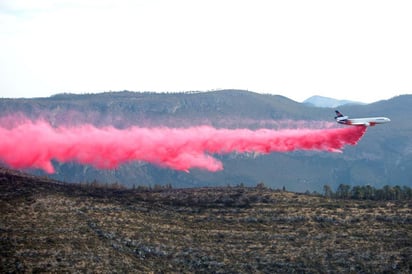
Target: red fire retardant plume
{"type": "Point", "coordinates": [35, 144]}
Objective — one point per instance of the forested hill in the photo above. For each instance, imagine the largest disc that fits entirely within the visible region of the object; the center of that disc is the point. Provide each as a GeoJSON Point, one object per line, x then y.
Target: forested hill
{"type": "Point", "coordinates": [124, 108]}
{"type": "Point", "coordinates": [383, 156]}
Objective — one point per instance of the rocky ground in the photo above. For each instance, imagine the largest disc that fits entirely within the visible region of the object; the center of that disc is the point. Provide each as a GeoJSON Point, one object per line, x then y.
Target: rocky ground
{"type": "Point", "coordinates": [57, 227]}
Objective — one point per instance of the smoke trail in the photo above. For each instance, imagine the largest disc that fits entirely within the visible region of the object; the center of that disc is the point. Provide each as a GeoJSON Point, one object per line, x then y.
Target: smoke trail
{"type": "Point", "coordinates": [35, 144]}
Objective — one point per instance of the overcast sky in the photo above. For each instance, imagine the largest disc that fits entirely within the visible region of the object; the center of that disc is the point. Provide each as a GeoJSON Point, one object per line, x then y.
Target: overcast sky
{"type": "Point", "coordinates": [357, 50]}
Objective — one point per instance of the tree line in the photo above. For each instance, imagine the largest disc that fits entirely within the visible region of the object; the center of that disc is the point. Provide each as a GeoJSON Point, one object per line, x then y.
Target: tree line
{"type": "Point", "coordinates": [368, 192]}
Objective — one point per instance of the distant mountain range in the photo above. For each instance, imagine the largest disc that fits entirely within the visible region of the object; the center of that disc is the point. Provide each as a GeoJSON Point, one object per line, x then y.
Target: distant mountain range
{"type": "Point", "coordinates": [327, 102]}
{"type": "Point", "coordinates": [383, 156]}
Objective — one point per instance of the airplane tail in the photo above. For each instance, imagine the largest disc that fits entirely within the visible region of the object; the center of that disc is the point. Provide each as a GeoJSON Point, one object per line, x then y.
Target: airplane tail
{"type": "Point", "coordinates": [338, 114]}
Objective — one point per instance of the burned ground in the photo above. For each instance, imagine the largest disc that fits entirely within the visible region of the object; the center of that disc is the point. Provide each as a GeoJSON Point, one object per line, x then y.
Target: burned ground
{"type": "Point", "coordinates": [52, 226]}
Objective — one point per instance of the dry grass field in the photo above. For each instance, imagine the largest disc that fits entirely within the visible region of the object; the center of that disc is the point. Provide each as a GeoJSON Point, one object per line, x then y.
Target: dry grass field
{"type": "Point", "coordinates": [47, 226]}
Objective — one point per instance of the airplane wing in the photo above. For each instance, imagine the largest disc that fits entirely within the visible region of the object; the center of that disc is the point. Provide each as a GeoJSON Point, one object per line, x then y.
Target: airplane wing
{"type": "Point", "coordinates": [363, 123]}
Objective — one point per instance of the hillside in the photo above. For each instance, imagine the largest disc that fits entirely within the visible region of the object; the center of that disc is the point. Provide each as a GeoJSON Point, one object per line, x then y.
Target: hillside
{"type": "Point", "coordinates": [321, 101]}
{"type": "Point", "coordinates": [50, 226]}
{"type": "Point", "coordinates": [383, 156]}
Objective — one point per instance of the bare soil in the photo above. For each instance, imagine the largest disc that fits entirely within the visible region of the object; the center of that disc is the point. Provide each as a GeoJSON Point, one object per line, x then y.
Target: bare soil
{"type": "Point", "coordinates": [49, 226]}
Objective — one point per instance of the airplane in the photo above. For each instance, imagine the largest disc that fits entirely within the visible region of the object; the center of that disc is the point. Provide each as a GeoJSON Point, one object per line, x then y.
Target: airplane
{"type": "Point", "coordinates": [368, 121]}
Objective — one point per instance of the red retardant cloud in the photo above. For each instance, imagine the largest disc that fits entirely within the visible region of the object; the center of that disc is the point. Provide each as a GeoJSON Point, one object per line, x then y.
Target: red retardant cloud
{"type": "Point", "coordinates": [35, 144]}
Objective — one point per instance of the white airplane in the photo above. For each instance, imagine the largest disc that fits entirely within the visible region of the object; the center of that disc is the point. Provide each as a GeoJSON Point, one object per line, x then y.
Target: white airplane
{"type": "Point", "coordinates": [368, 121]}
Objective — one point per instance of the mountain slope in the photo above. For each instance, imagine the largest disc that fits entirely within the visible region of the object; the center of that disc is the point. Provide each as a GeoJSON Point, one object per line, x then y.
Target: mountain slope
{"type": "Point", "coordinates": [321, 101]}
{"type": "Point", "coordinates": [382, 157]}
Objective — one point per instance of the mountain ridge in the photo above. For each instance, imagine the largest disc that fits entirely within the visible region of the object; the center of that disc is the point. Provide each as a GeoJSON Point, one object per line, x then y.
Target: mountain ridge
{"type": "Point", "coordinates": [382, 157]}
{"type": "Point", "coordinates": [322, 101]}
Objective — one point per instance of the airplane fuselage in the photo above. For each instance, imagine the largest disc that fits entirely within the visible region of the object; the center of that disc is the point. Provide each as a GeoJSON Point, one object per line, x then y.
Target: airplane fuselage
{"type": "Point", "coordinates": [368, 121]}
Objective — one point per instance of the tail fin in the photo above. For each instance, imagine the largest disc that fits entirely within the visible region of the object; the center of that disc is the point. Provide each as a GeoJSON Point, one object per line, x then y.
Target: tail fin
{"type": "Point", "coordinates": [338, 114]}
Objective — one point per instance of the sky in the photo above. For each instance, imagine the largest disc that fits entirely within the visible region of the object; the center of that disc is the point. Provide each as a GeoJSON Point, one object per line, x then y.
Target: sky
{"type": "Point", "coordinates": [354, 49]}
